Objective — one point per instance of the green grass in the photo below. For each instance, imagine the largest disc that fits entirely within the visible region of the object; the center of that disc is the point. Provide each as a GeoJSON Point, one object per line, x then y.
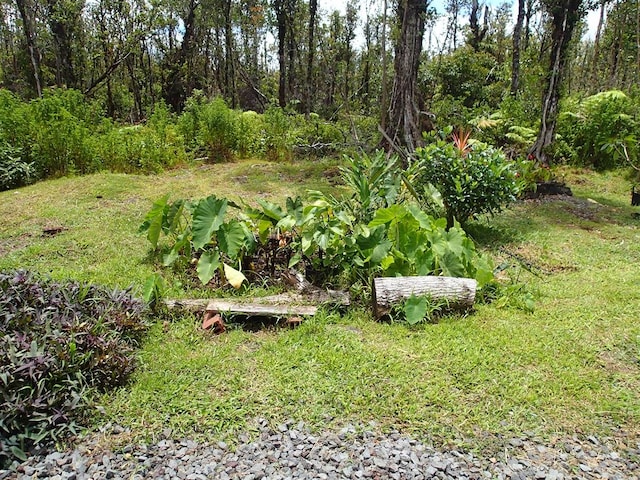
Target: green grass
{"type": "Point", "coordinates": [573, 365]}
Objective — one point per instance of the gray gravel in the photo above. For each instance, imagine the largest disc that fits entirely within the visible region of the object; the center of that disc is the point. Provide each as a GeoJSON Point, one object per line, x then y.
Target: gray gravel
{"type": "Point", "coordinates": [291, 451]}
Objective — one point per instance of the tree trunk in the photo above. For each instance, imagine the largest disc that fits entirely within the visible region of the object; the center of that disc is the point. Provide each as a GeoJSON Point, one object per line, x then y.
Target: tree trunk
{"type": "Point", "coordinates": [477, 33]}
{"type": "Point", "coordinates": [564, 18]}
{"type": "Point", "coordinates": [282, 60]}
{"type": "Point", "coordinates": [515, 61]}
{"type": "Point", "coordinates": [61, 20]}
{"type": "Point", "coordinates": [313, 8]}
{"type": "Point", "coordinates": [230, 74]}
{"type": "Point", "coordinates": [30, 37]}
{"type": "Point", "coordinates": [391, 291]}
{"type": "Point", "coordinates": [404, 112]}
{"type": "Point", "coordinates": [384, 92]}
{"type": "Point", "coordinates": [596, 47]}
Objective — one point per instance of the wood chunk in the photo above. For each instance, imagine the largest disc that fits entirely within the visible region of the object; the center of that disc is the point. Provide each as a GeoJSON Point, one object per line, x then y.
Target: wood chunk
{"type": "Point", "coordinates": [390, 291]}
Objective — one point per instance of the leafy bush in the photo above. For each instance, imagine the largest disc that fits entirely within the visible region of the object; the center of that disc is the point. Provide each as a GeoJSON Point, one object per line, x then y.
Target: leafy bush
{"type": "Point", "coordinates": [14, 172]}
{"type": "Point", "coordinates": [601, 130]}
{"type": "Point", "coordinates": [60, 343]}
{"type": "Point", "coordinates": [137, 149]}
{"type": "Point", "coordinates": [372, 230]}
{"type": "Point", "coordinates": [471, 178]}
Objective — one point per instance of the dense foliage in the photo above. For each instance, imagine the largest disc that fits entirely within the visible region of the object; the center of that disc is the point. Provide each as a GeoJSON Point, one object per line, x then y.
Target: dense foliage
{"type": "Point", "coordinates": [470, 178]}
{"type": "Point", "coordinates": [60, 343]}
{"type": "Point", "coordinates": [373, 229]}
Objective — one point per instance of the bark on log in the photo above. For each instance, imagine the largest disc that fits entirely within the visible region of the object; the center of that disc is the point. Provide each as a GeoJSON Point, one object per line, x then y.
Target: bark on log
{"type": "Point", "coordinates": [389, 291]}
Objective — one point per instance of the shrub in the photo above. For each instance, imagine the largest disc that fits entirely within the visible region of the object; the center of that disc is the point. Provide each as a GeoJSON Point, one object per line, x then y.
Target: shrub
{"type": "Point", "coordinates": [14, 172]}
{"type": "Point", "coordinates": [218, 131]}
{"type": "Point", "coordinates": [61, 342]}
{"type": "Point", "coordinates": [471, 178]}
{"type": "Point", "coordinates": [137, 149]}
{"type": "Point", "coordinates": [600, 130]}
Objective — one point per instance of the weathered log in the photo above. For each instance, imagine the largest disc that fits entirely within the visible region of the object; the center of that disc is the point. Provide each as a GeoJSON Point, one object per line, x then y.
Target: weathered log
{"type": "Point", "coordinates": [256, 309]}
{"type": "Point", "coordinates": [390, 291]}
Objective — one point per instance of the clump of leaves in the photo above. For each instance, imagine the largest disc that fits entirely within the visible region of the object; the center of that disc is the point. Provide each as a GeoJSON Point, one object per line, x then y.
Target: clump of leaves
{"type": "Point", "coordinates": [372, 230]}
{"type": "Point", "coordinates": [61, 342]}
{"type": "Point", "coordinates": [14, 172]}
{"type": "Point", "coordinates": [472, 178]}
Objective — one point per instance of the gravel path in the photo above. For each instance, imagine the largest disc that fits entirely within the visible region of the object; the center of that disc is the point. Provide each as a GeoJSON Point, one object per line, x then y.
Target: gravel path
{"type": "Point", "coordinates": [291, 451]}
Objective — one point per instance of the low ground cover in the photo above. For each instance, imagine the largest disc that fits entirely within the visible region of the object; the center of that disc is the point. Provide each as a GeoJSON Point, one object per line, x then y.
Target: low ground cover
{"type": "Point", "coordinates": [570, 365]}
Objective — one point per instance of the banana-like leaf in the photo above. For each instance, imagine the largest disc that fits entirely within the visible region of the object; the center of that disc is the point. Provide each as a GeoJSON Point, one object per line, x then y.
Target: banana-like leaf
{"type": "Point", "coordinates": [153, 221]}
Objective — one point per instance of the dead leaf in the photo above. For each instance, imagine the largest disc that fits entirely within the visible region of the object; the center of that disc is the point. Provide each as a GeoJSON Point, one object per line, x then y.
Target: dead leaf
{"type": "Point", "coordinates": [234, 277]}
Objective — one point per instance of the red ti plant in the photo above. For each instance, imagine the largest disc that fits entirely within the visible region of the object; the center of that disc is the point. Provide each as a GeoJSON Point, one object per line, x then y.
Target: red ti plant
{"type": "Point", "coordinates": [461, 141]}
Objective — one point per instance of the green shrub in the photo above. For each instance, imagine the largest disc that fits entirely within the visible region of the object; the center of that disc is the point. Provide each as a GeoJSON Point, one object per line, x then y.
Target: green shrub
{"type": "Point", "coordinates": [61, 342]}
{"type": "Point", "coordinates": [137, 149]}
{"type": "Point", "coordinates": [219, 131]}
{"type": "Point", "coordinates": [471, 178]}
{"type": "Point", "coordinates": [601, 130]}
{"type": "Point", "coordinates": [14, 172]}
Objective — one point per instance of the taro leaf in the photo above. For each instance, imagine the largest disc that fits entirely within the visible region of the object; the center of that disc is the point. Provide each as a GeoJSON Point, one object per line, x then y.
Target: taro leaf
{"type": "Point", "coordinates": [234, 277]}
{"type": "Point", "coordinates": [153, 221]}
{"type": "Point", "coordinates": [231, 238]}
{"type": "Point", "coordinates": [415, 309]}
{"type": "Point", "coordinates": [293, 261]}
{"type": "Point", "coordinates": [271, 210]}
{"type": "Point", "coordinates": [295, 209]}
{"type": "Point", "coordinates": [451, 265]}
{"type": "Point", "coordinates": [169, 258]}
{"type": "Point", "coordinates": [173, 216]}
{"type": "Point", "coordinates": [424, 220]}
{"type": "Point", "coordinates": [207, 218]}
{"type": "Point", "coordinates": [208, 263]}
{"type": "Point", "coordinates": [484, 272]}
{"type": "Point", "coordinates": [388, 215]}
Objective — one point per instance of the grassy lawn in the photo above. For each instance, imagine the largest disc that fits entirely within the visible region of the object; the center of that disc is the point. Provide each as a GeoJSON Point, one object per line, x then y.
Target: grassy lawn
{"type": "Point", "coordinates": [573, 365]}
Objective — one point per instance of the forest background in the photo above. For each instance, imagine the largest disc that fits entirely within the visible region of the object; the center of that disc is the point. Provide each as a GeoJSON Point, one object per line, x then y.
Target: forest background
{"type": "Point", "coordinates": [76, 74]}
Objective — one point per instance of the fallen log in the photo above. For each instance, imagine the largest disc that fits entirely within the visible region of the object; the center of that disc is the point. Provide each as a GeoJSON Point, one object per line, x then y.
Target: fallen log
{"type": "Point", "coordinates": [391, 291]}
{"type": "Point", "coordinates": [256, 309]}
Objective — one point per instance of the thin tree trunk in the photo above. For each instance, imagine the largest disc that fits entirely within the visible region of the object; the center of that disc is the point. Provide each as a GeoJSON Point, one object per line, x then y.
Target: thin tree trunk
{"type": "Point", "coordinates": [282, 61]}
{"type": "Point", "coordinates": [515, 61]}
{"type": "Point", "coordinates": [313, 7]}
{"type": "Point", "coordinates": [564, 19]}
{"type": "Point", "coordinates": [30, 37]}
{"type": "Point", "coordinates": [596, 47]}
{"type": "Point", "coordinates": [230, 74]}
{"type": "Point", "coordinates": [384, 94]}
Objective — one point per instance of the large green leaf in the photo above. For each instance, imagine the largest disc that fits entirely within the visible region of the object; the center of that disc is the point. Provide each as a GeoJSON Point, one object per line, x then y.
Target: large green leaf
{"type": "Point", "coordinates": [153, 220]}
{"type": "Point", "coordinates": [384, 216]}
{"type": "Point", "coordinates": [271, 210]}
{"type": "Point", "coordinates": [208, 263]}
{"type": "Point", "coordinates": [231, 238]}
{"type": "Point", "coordinates": [207, 219]}
{"type": "Point", "coordinates": [415, 309]}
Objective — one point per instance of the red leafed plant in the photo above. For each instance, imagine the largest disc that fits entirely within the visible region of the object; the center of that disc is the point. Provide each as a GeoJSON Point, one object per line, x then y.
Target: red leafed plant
{"type": "Point", "coordinates": [461, 141]}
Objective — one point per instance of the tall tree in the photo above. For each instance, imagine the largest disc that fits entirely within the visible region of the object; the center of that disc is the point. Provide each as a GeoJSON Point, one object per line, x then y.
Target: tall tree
{"type": "Point", "coordinates": [27, 12]}
{"type": "Point", "coordinates": [311, 46]}
{"type": "Point", "coordinates": [403, 127]}
{"type": "Point", "coordinates": [515, 54]}
{"type": "Point", "coordinates": [477, 33]}
{"type": "Point", "coordinates": [564, 14]}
